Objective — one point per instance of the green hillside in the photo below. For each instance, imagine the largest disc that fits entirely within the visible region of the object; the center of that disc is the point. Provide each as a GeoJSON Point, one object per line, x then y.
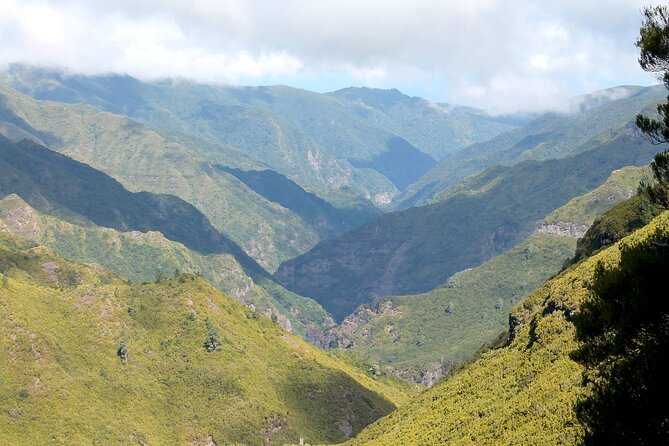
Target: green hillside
{"type": "Point", "coordinates": [309, 137]}
{"type": "Point", "coordinates": [326, 219]}
{"type": "Point", "coordinates": [89, 359]}
{"type": "Point", "coordinates": [141, 257]}
{"type": "Point", "coordinates": [421, 337]}
{"type": "Point", "coordinates": [416, 250]}
{"type": "Point", "coordinates": [550, 136]}
{"type": "Point", "coordinates": [524, 393]}
{"type": "Point", "coordinates": [615, 224]}
{"type": "Point", "coordinates": [142, 160]}
{"type": "Point", "coordinates": [621, 185]}
{"type": "Point", "coordinates": [51, 181]}
{"type": "Point", "coordinates": [438, 129]}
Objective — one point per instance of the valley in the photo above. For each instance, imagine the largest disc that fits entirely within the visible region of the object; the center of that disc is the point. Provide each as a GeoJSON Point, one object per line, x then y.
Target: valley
{"type": "Point", "coordinates": [192, 262]}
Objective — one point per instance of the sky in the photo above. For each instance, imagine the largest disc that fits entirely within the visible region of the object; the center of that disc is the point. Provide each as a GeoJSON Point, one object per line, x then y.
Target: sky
{"type": "Point", "coordinates": [501, 55]}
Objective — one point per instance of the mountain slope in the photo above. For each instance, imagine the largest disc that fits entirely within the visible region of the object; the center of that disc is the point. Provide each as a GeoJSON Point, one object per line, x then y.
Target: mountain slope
{"type": "Point", "coordinates": [525, 393]}
{"type": "Point", "coordinates": [326, 219]}
{"type": "Point", "coordinates": [309, 137]}
{"type": "Point", "coordinates": [420, 337]}
{"type": "Point", "coordinates": [550, 136]}
{"type": "Point", "coordinates": [142, 257]}
{"type": "Point", "coordinates": [416, 250]}
{"type": "Point", "coordinates": [94, 360]}
{"type": "Point", "coordinates": [47, 180]}
{"type": "Point", "coordinates": [143, 160]}
{"type": "Point", "coordinates": [438, 129]}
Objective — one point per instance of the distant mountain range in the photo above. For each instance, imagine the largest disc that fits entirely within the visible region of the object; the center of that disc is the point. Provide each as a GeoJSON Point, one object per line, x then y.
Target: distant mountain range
{"type": "Point", "coordinates": [415, 250]}
{"type": "Point", "coordinates": [549, 136]}
{"type": "Point", "coordinates": [409, 238]}
{"type": "Point", "coordinates": [314, 139]}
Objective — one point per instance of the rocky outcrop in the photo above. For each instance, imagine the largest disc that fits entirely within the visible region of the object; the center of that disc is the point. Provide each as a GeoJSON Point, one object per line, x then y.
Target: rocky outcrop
{"type": "Point", "coordinates": [427, 376]}
{"type": "Point", "coordinates": [345, 334]}
{"type": "Point", "coordinates": [564, 228]}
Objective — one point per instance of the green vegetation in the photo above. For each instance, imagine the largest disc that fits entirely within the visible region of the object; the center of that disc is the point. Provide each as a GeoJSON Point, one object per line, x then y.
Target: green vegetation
{"type": "Point", "coordinates": [326, 219]}
{"type": "Point", "coordinates": [621, 185]}
{"type": "Point", "coordinates": [620, 221]}
{"type": "Point", "coordinates": [421, 337]}
{"type": "Point", "coordinates": [402, 163]}
{"type": "Point", "coordinates": [142, 160]}
{"type": "Point", "coordinates": [146, 257]}
{"type": "Point", "coordinates": [623, 329]}
{"type": "Point", "coordinates": [525, 393]}
{"type": "Point", "coordinates": [306, 136]}
{"type": "Point", "coordinates": [51, 180]}
{"type": "Point", "coordinates": [415, 250]}
{"type": "Point", "coordinates": [436, 129]}
{"type": "Point", "coordinates": [79, 369]}
{"type": "Point", "coordinates": [550, 136]}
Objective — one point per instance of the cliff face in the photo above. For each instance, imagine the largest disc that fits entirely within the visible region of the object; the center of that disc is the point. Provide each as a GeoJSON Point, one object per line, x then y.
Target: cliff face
{"type": "Point", "coordinates": [564, 228]}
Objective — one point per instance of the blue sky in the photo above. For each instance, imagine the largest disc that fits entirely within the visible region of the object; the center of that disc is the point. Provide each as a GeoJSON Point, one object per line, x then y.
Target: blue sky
{"type": "Point", "coordinates": [501, 55]}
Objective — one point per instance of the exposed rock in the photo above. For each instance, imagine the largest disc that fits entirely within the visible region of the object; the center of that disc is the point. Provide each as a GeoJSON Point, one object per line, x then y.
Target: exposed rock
{"type": "Point", "coordinates": [564, 228]}
{"type": "Point", "coordinates": [284, 323]}
{"type": "Point", "coordinates": [345, 428]}
{"type": "Point", "coordinates": [341, 336]}
{"type": "Point", "coordinates": [428, 376]}
{"type": "Point", "coordinates": [51, 269]}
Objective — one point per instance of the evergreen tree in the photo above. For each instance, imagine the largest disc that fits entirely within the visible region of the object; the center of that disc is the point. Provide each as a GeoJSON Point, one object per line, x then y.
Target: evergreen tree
{"type": "Point", "coordinates": [653, 43]}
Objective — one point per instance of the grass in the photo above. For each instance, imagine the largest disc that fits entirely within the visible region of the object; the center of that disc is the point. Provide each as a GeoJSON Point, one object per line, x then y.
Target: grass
{"type": "Point", "coordinates": [524, 393]}
{"type": "Point", "coordinates": [413, 335]}
{"type": "Point", "coordinates": [102, 361]}
{"type": "Point", "coordinates": [139, 257]}
{"type": "Point", "coordinates": [422, 336]}
{"type": "Point", "coordinates": [549, 136]}
{"type": "Point", "coordinates": [142, 160]}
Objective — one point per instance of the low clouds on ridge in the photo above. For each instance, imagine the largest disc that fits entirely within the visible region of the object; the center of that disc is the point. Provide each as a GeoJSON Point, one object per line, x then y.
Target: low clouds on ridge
{"type": "Point", "coordinates": [504, 55]}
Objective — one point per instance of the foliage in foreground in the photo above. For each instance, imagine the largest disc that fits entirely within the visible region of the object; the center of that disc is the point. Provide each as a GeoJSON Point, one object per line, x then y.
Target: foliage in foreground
{"type": "Point", "coordinates": [144, 257]}
{"type": "Point", "coordinates": [624, 332]}
{"type": "Point", "coordinates": [89, 359]}
{"type": "Point", "coordinates": [525, 393]}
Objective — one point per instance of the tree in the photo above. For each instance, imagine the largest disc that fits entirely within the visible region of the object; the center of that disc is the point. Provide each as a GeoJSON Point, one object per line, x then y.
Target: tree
{"type": "Point", "coordinates": [623, 334]}
{"type": "Point", "coordinates": [623, 326]}
{"type": "Point", "coordinates": [213, 342]}
{"type": "Point", "coordinates": [653, 43]}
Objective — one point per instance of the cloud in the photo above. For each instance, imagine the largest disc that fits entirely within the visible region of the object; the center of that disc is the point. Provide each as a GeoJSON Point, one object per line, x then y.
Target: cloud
{"type": "Point", "coordinates": [502, 54]}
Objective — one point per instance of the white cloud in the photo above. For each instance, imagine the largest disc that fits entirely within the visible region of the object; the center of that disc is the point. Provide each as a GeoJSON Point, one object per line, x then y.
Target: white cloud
{"type": "Point", "coordinates": [492, 53]}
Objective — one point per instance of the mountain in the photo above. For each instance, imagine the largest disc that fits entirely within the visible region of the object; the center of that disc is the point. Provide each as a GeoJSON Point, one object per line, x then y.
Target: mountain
{"type": "Point", "coordinates": [402, 163]}
{"type": "Point", "coordinates": [312, 138]}
{"type": "Point", "coordinates": [59, 186]}
{"type": "Point", "coordinates": [439, 129]}
{"type": "Point", "coordinates": [524, 393]}
{"type": "Point", "coordinates": [51, 181]}
{"type": "Point", "coordinates": [549, 136]}
{"type": "Point", "coordinates": [416, 250]}
{"type": "Point", "coordinates": [90, 359]}
{"type": "Point", "coordinates": [326, 219]}
{"type": "Point", "coordinates": [144, 161]}
{"type": "Point", "coordinates": [421, 337]}
{"type": "Point", "coordinates": [145, 256]}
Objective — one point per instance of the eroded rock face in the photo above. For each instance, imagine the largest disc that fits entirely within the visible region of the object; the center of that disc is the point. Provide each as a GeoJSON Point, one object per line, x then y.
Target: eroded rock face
{"type": "Point", "coordinates": [427, 376]}
{"type": "Point", "coordinates": [342, 336]}
{"type": "Point", "coordinates": [564, 228]}
{"type": "Point", "coordinates": [345, 428]}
